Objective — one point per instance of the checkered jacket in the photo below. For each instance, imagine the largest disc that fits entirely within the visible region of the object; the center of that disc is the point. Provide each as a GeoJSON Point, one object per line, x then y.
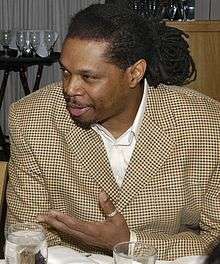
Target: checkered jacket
{"type": "Point", "coordinates": [170, 194]}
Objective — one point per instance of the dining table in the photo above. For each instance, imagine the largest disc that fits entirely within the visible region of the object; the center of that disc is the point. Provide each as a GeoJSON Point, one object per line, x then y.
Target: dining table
{"type": "Point", "coordinates": [64, 255]}
{"type": "Point", "coordinates": [20, 64]}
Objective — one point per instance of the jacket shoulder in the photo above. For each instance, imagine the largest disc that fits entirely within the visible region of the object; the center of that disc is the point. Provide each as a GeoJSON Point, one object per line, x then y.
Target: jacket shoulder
{"type": "Point", "coordinates": [184, 97]}
{"type": "Point", "coordinates": [184, 105]}
{"type": "Point", "coordinates": [41, 100]}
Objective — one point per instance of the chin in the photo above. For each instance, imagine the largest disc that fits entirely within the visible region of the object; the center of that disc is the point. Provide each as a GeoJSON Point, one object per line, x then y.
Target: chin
{"type": "Point", "coordinates": [83, 124]}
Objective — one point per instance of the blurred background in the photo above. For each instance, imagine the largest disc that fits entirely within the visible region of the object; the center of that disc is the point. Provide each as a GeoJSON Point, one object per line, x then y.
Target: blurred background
{"type": "Point", "coordinates": [199, 18]}
{"type": "Point", "coordinates": [32, 15]}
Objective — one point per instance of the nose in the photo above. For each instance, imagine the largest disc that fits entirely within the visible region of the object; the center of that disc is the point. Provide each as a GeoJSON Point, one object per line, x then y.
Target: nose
{"type": "Point", "coordinates": [73, 86]}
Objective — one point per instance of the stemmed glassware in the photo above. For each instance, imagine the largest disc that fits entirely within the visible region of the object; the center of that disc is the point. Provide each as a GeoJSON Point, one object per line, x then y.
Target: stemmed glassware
{"type": "Point", "coordinates": [146, 8]}
{"type": "Point", "coordinates": [49, 40]}
{"type": "Point", "coordinates": [180, 10]}
{"type": "Point", "coordinates": [189, 9]}
{"type": "Point", "coordinates": [5, 39]}
{"type": "Point", "coordinates": [21, 41]}
{"type": "Point", "coordinates": [34, 41]}
{"type": "Point", "coordinates": [172, 10]}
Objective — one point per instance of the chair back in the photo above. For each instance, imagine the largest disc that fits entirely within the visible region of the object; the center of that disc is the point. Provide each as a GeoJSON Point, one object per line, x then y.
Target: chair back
{"type": "Point", "coordinates": [3, 207]}
{"type": "Point", "coordinates": [3, 181]}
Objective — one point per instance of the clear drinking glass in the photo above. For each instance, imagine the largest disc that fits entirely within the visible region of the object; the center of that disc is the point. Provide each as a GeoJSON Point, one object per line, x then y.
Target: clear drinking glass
{"type": "Point", "coordinates": [49, 40]}
{"type": "Point", "coordinates": [26, 244]}
{"type": "Point", "coordinates": [134, 253]}
{"type": "Point", "coordinates": [189, 6]}
{"type": "Point", "coordinates": [21, 40]}
{"type": "Point", "coordinates": [5, 39]}
{"type": "Point", "coordinates": [34, 41]}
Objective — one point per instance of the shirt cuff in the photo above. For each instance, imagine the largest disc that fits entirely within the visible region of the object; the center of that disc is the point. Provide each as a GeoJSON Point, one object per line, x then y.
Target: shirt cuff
{"type": "Point", "coordinates": [133, 236]}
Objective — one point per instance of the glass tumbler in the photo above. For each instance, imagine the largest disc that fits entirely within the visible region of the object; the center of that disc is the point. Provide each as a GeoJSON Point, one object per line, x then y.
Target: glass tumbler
{"type": "Point", "coordinates": [134, 253]}
{"type": "Point", "coordinates": [26, 244]}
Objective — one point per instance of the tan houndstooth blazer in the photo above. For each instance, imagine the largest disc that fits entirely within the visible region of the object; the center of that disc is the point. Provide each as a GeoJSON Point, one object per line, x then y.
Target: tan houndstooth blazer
{"type": "Point", "coordinates": [170, 195]}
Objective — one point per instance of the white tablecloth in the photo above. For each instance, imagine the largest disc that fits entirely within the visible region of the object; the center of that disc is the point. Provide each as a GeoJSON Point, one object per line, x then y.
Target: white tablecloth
{"type": "Point", "coordinates": [64, 255]}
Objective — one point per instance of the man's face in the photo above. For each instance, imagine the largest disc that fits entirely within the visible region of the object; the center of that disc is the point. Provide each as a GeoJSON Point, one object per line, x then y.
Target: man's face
{"type": "Point", "coordinates": [95, 90]}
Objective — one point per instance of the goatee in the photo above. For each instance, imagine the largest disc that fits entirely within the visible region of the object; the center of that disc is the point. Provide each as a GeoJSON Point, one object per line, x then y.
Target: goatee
{"type": "Point", "coordinates": [83, 125]}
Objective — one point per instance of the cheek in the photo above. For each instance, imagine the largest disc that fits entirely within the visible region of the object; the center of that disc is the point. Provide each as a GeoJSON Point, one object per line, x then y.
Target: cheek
{"type": "Point", "coordinates": [107, 95]}
{"type": "Point", "coordinates": [98, 95]}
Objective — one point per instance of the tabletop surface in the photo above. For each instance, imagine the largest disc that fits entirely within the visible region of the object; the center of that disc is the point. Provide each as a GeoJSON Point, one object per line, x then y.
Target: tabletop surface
{"type": "Point", "coordinates": [65, 255]}
{"type": "Point", "coordinates": [13, 58]}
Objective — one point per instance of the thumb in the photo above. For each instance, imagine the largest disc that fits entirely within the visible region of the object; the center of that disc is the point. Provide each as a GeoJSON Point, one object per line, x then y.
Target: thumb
{"type": "Point", "coordinates": [106, 204]}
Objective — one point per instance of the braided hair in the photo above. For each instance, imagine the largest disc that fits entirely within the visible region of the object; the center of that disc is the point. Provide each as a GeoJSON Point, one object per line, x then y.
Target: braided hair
{"type": "Point", "coordinates": [132, 37]}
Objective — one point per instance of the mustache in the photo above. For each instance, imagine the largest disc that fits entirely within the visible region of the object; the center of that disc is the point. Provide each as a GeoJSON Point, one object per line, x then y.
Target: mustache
{"type": "Point", "coordinates": [72, 102]}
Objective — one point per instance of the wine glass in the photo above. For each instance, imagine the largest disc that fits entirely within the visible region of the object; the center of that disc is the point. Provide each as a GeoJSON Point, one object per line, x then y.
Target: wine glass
{"type": "Point", "coordinates": [49, 40]}
{"type": "Point", "coordinates": [21, 40]}
{"type": "Point", "coordinates": [134, 252]}
{"type": "Point", "coordinates": [26, 243]}
{"type": "Point", "coordinates": [5, 39]}
{"type": "Point", "coordinates": [189, 7]}
{"type": "Point", "coordinates": [172, 10]}
{"type": "Point", "coordinates": [34, 41]}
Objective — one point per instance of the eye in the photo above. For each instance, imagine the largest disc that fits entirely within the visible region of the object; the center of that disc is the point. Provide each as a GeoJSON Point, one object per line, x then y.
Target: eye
{"type": "Point", "coordinates": [89, 77]}
{"type": "Point", "coordinates": [65, 72]}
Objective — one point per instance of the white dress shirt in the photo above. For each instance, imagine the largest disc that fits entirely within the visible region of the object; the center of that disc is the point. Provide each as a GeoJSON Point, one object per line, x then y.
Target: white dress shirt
{"type": "Point", "coordinates": [119, 150]}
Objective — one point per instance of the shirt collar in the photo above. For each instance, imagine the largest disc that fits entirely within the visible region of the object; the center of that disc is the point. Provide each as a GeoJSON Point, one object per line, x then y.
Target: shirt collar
{"type": "Point", "coordinates": [141, 110]}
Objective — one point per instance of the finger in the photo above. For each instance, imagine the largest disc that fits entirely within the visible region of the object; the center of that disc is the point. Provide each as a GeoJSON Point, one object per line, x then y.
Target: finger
{"type": "Point", "coordinates": [64, 223]}
{"type": "Point", "coordinates": [85, 231]}
{"type": "Point", "coordinates": [70, 221]}
{"type": "Point", "coordinates": [107, 205]}
{"type": "Point", "coordinates": [53, 222]}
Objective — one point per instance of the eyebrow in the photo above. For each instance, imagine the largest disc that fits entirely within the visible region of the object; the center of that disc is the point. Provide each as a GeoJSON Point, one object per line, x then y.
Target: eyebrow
{"type": "Point", "coordinates": [61, 64]}
{"type": "Point", "coordinates": [86, 72]}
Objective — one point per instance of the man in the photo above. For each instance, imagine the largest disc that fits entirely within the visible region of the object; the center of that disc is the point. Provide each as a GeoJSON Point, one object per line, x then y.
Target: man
{"type": "Point", "coordinates": [104, 158]}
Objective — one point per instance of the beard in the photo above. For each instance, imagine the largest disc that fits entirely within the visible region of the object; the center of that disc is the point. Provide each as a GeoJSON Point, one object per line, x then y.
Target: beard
{"type": "Point", "coordinates": [82, 124]}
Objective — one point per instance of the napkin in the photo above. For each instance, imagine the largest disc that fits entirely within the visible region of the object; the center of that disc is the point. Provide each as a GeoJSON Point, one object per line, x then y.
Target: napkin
{"type": "Point", "coordinates": [185, 260]}
{"type": "Point", "coordinates": [64, 255]}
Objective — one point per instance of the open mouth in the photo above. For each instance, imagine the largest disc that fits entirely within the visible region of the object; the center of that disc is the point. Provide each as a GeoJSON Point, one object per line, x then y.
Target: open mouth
{"type": "Point", "coordinates": [77, 111]}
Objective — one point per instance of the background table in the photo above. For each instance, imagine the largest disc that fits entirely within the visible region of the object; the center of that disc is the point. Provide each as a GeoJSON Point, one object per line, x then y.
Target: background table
{"type": "Point", "coordinates": [21, 65]}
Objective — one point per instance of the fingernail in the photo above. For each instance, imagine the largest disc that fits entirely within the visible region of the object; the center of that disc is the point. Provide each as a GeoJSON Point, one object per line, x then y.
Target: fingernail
{"type": "Point", "coordinates": [53, 212]}
{"type": "Point", "coordinates": [103, 196]}
{"type": "Point", "coordinates": [40, 218]}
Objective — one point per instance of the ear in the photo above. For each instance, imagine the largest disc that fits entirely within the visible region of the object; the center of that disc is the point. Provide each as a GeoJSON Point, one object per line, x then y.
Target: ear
{"type": "Point", "coordinates": [136, 72]}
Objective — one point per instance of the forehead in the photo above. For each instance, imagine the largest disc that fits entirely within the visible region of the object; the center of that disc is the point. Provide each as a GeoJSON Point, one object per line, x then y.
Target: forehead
{"type": "Point", "coordinates": [77, 51]}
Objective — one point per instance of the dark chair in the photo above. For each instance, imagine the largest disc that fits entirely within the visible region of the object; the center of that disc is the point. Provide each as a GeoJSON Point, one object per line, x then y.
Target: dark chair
{"type": "Point", "coordinates": [3, 183]}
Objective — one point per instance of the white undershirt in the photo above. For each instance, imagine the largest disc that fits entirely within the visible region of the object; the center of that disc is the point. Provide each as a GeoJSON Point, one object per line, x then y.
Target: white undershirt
{"type": "Point", "coordinates": [119, 150]}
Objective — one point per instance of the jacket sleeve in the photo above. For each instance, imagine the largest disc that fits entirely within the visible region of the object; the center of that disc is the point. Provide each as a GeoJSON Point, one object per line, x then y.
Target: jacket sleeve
{"type": "Point", "coordinates": [27, 194]}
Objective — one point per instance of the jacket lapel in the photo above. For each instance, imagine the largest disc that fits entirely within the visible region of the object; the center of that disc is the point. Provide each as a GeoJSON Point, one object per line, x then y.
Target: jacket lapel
{"type": "Point", "coordinates": [90, 152]}
{"type": "Point", "coordinates": [153, 147]}
{"type": "Point", "coordinates": [87, 146]}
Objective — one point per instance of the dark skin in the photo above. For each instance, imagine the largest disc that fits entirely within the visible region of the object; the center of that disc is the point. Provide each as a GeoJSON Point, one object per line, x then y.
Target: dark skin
{"type": "Point", "coordinates": [97, 91]}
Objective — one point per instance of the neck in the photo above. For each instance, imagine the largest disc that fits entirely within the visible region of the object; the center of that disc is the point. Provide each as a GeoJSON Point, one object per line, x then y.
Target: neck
{"type": "Point", "coordinates": [118, 126]}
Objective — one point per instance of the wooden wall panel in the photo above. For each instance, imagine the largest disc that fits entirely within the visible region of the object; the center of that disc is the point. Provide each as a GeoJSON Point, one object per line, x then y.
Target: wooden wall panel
{"type": "Point", "coordinates": [204, 43]}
